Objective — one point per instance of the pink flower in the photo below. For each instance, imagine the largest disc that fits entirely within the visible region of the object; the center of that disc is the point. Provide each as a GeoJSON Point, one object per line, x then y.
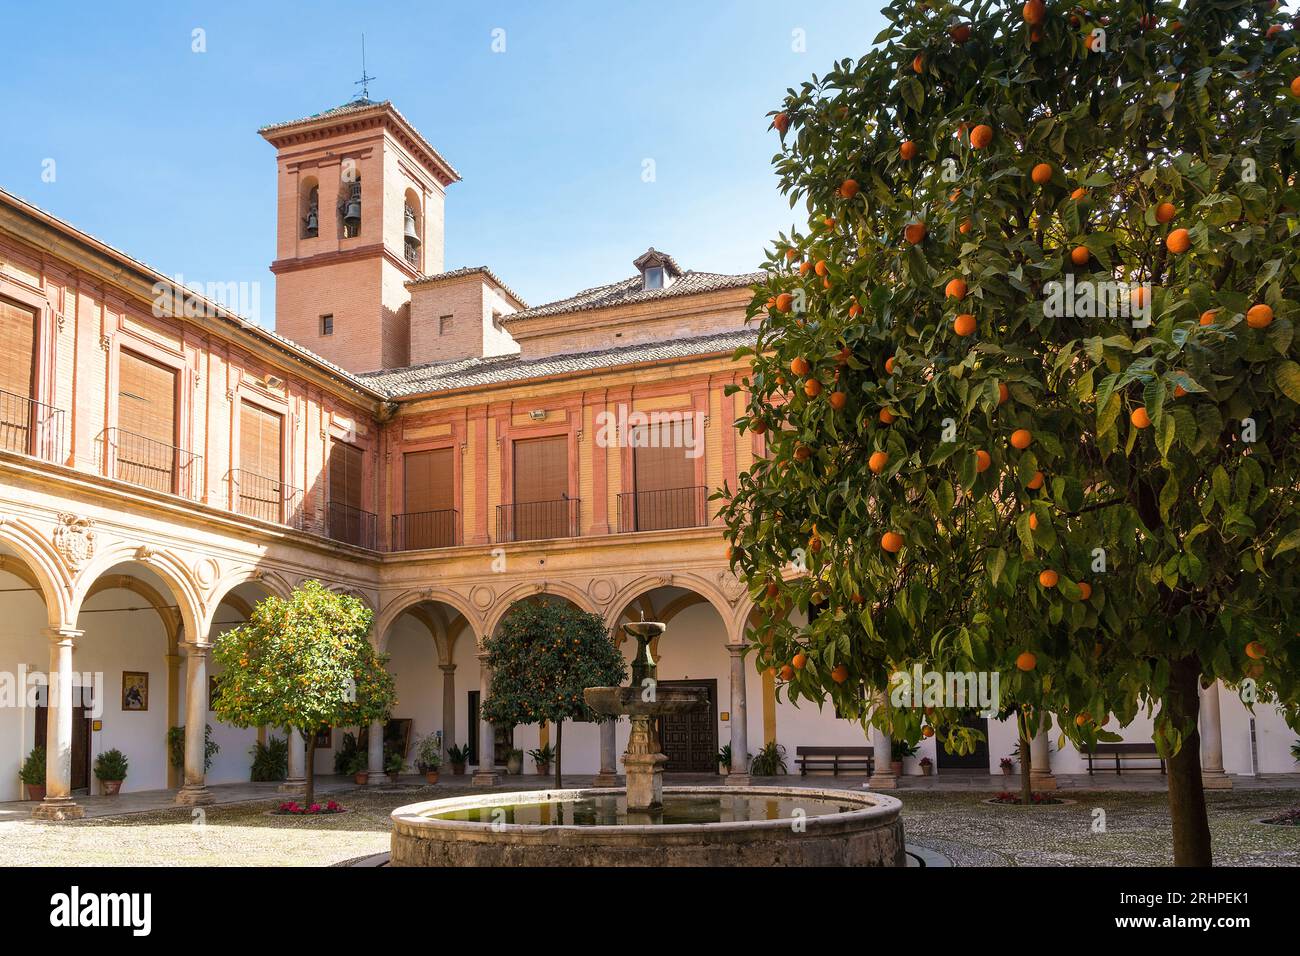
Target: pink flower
{"type": "Point", "coordinates": [314, 808]}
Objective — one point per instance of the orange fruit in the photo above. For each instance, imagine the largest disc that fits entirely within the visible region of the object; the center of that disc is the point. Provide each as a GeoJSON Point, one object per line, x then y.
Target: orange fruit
{"type": "Point", "coordinates": [964, 228]}
{"type": "Point", "coordinates": [1259, 316]}
{"type": "Point", "coordinates": [1026, 661]}
{"type": "Point", "coordinates": [1207, 317]}
{"type": "Point", "coordinates": [1033, 521]}
{"type": "Point", "coordinates": [849, 188]}
{"type": "Point", "coordinates": [886, 416]}
{"type": "Point", "coordinates": [783, 302]}
{"type": "Point", "coordinates": [1003, 392]}
{"type": "Point", "coordinates": [805, 267]}
{"type": "Point", "coordinates": [1295, 86]}
{"type": "Point", "coordinates": [799, 366]}
{"type": "Point", "coordinates": [821, 268]}
{"type": "Point", "coordinates": [1042, 174]}
{"type": "Point", "coordinates": [1085, 590]}
{"type": "Point", "coordinates": [758, 426]}
{"type": "Point", "coordinates": [1080, 255]}
{"type": "Point", "coordinates": [782, 122]}
{"type": "Point", "coordinates": [889, 365]}
{"type": "Point", "coordinates": [799, 660]}
{"type": "Point", "coordinates": [1256, 651]}
{"type": "Point", "coordinates": [1034, 12]}
{"type": "Point", "coordinates": [981, 136]}
{"type": "Point", "coordinates": [1048, 578]}
{"type": "Point", "coordinates": [787, 672]}
{"type": "Point", "coordinates": [773, 589]}
{"type": "Point", "coordinates": [878, 461]}
{"type": "Point", "coordinates": [955, 289]}
{"type": "Point", "coordinates": [1139, 419]}
{"type": "Point", "coordinates": [1079, 195]}
{"type": "Point", "coordinates": [982, 461]}
{"type": "Point", "coordinates": [1021, 438]}
{"type": "Point", "coordinates": [1178, 241]}
{"type": "Point", "coordinates": [790, 254]}
{"type": "Point", "coordinates": [1273, 31]}
{"type": "Point", "coordinates": [960, 32]}
{"type": "Point", "coordinates": [802, 453]}
{"type": "Point", "coordinates": [918, 64]}
{"type": "Point", "coordinates": [1165, 212]}
{"type": "Point", "coordinates": [964, 324]}
{"type": "Point", "coordinates": [927, 731]}
{"type": "Point", "coordinates": [1035, 482]}
{"type": "Point", "coordinates": [855, 310]}
{"type": "Point", "coordinates": [1081, 719]}
{"type": "Point", "coordinates": [1139, 297]}
{"type": "Point", "coordinates": [812, 388]}
{"type": "Point", "coordinates": [891, 541]}
{"type": "Point", "coordinates": [838, 400]}
{"type": "Point", "coordinates": [914, 232]}
{"type": "Point", "coordinates": [840, 674]}
{"type": "Point", "coordinates": [908, 150]}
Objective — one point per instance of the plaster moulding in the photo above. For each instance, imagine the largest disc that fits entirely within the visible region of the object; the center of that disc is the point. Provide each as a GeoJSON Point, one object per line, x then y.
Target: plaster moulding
{"type": "Point", "coordinates": [74, 540]}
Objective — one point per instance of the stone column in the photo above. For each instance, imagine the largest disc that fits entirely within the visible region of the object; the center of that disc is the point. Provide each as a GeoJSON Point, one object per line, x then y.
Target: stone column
{"type": "Point", "coordinates": [1040, 760]}
{"type": "Point", "coordinates": [195, 791]}
{"type": "Point", "coordinates": [485, 775]}
{"type": "Point", "coordinates": [608, 776]}
{"type": "Point", "coordinates": [739, 776]}
{"type": "Point", "coordinates": [884, 777]}
{"type": "Point", "coordinates": [58, 803]}
{"type": "Point", "coordinates": [375, 754]}
{"type": "Point", "coordinates": [448, 707]}
{"type": "Point", "coordinates": [175, 777]}
{"type": "Point", "coordinates": [296, 782]}
{"type": "Point", "coordinates": [1212, 774]}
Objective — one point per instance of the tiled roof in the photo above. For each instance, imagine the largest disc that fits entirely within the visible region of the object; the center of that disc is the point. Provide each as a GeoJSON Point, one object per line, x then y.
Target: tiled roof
{"type": "Point", "coordinates": [470, 372]}
{"type": "Point", "coordinates": [629, 291]}
{"type": "Point", "coordinates": [461, 273]}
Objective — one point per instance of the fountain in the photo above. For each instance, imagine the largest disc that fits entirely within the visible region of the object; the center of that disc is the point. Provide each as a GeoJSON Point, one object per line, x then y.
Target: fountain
{"type": "Point", "coordinates": [644, 824]}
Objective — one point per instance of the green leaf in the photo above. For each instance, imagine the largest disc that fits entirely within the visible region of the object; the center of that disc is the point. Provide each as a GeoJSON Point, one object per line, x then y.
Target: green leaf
{"type": "Point", "coordinates": [1287, 377]}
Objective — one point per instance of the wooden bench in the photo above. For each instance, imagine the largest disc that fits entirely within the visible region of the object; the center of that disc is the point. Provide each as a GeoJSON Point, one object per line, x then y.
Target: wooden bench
{"type": "Point", "coordinates": [836, 758]}
{"type": "Point", "coordinates": [1122, 752]}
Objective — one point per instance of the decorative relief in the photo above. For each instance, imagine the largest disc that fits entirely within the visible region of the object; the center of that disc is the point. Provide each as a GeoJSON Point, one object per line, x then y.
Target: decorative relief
{"type": "Point", "coordinates": [482, 597]}
{"type": "Point", "coordinates": [207, 572]}
{"type": "Point", "coordinates": [602, 590]}
{"type": "Point", "coordinates": [730, 585]}
{"type": "Point", "coordinates": [144, 553]}
{"type": "Point", "coordinates": [61, 321]}
{"type": "Point", "coordinates": [105, 341]}
{"type": "Point", "coordinates": [74, 539]}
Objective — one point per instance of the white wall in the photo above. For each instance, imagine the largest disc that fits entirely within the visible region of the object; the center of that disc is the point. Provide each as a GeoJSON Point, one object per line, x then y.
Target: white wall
{"type": "Point", "coordinates": [22, 642]}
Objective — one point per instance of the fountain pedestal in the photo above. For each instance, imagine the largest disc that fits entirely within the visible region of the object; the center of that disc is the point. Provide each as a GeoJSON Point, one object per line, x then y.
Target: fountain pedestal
{"type": "Point", "coordinates": [644, 766]}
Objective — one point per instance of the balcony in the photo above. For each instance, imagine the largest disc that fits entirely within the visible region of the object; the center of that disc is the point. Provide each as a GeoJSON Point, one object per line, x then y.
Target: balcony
{"type": "Point", "coordinates": [352, 525]}
{"type": "Point", "coordinates": [267, 499]}
{"type": "Point", "coordinates": [31, 428]}
{"type": "Point", "coordinates": [536, 520]}
{"type": "Point", "coordinates": [417, 530]}
{"type": "Point", "coordinates": [153, 464]}
{"type": "Point", "coordinates": [664, 509]}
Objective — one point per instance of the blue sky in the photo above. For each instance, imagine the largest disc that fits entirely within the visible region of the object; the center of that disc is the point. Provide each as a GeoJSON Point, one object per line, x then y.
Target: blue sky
{"type": "Point", "coordinates": [156, 148]}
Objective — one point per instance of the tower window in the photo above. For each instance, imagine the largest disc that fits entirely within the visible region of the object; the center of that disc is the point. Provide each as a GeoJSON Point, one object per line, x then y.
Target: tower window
{"type": "Point", "coordinates": [350, 208]}
{"type": "Point", "coordinates": [444, 324]}
{"type": "Point", "coordinates": [327, 325]}
{"type": "Point", "coordinates": [311, 221]}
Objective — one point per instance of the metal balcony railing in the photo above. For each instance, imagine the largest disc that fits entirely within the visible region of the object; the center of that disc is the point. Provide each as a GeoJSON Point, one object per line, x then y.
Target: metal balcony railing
{"type": "Point", "coordinates": [268, 499]}
{"type": "Point", "coordinates": [352, 525]}
{"type": "Point", "coordinates": [153, 464]}
{"type": "Point", "coordinates": [535, 520]}
{"type": "Point", "coordinates": [29, 427]}
{"type": "Point", "coordinates": [426, 529]}
{"type": "Point", "coordinates": [666, 508]}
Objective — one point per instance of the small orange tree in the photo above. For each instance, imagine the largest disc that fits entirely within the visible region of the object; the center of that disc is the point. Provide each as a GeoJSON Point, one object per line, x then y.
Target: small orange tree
{"type": "Point", "coordinates": [1046, 297]}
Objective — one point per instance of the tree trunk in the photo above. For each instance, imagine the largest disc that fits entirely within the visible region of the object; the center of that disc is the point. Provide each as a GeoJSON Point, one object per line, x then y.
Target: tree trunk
{"type": "Point", "coordinates": [309, 795]}
{"type": "Point", "coordinates": [559, 740]}
{"type": "Point", "coordinates": [1026, 793]}
{"type": "Point", "coordinates": [1191, 826]}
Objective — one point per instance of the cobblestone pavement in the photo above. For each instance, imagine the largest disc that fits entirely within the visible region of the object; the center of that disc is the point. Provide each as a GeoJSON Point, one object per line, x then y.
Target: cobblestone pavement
{"type": "Point", "coordinates": [957, 824]}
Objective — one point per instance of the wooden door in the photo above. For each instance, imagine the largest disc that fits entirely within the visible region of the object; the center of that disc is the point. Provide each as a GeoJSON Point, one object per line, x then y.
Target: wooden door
{"type": "Point", "coordinates": [665, 495]}
{"type": "Point", "coordinates": [80, 743]}
{"type": "Point", "coordinates": [144, 452]}
{"type": "Point", "coordinates": [261, 462]}
{"type": "Point", "coordinates": [978, 760]}
{"type": "Point", "coordinates": [541, 479]}
{"type": "Point", "coordinates": [690, 740]}
{"type": "Point", "coordinates": [17, 376]}
{"type": "Point", "coordinates": [429, 492]}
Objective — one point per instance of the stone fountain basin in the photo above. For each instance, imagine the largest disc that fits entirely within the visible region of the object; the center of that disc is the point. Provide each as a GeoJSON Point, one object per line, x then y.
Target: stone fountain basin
{"type": "Point", "coordinates": [868, 834]}
{"type": "Point", "coordinates": [619, 701]}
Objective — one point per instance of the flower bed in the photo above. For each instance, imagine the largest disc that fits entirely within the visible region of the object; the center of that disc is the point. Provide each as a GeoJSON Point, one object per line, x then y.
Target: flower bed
{"type": "Point", "coordinates": [294, 808]}
{"type": "Point", "coordinates": [1008, 798]}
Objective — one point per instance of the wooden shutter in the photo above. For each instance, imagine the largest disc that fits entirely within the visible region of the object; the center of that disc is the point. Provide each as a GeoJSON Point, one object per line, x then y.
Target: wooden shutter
{"type": "Point", "coordinates": [541, 477]}
{"type": "Point", "coordinates": [429, 490]}
{"type": "Point", "coordinates": [146, 422]}
{"type": "Point", "coordinates": [664, 478]}
{"type": "Point", "coordinates": [17, 378]}
{"type": "Point", "coordinates": [261, 437]}
{"type": "Point", "coordinates": [345, 474]}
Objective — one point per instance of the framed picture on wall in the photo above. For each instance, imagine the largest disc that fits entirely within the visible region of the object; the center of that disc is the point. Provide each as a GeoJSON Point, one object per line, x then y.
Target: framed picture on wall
{"type": "Point", "coordinates": [325, 738]}
{"type": "Point", "coordinates": [135, 690]}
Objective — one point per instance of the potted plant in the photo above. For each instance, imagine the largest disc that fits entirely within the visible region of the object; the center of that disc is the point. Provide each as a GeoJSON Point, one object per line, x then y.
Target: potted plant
{"type": "Point", "coordinates": [515, 762]}
{"type": "Point", "coordinates": [769, 762]}
{"type": "Point", "coordinates": [724, 760]}
{"type": "Point", "coordinates": [458, 756]}
{"type": "Point", "coordinates": [543, 757]}
{"type": "Point", "coordinates": [428, 758]}
{"type": "Point", "coordinates": [393, 765]}
{"type": "Point", "coordinates": [1008, 766]}
{"type": "Point", "coordinates": [927, 765]}
{"type": "Point", "coordinates": [358, 766]}
{"type": "Point", "coordinates": [898, 750]}
{"type": "Point", "coordinates": [32, 773]}
{"type": "Point", "coordinates": [110, 771]}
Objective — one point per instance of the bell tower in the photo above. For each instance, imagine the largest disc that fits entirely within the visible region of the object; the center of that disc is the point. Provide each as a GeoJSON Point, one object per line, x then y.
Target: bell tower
{"type": "Point", "coordinates": [360, 197]}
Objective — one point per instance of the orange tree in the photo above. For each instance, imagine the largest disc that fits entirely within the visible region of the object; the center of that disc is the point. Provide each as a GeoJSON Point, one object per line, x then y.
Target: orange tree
{"type": "Point", "coordinates": [303, 662]}
{"type": "Point", "coordinates": [1028, 377]}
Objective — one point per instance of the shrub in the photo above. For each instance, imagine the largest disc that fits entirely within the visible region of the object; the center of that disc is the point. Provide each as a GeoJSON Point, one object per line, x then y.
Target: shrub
{"type": "Point", "coordinates": [111, 765]}
{"type": "Point", "coordinates": [270, 760]}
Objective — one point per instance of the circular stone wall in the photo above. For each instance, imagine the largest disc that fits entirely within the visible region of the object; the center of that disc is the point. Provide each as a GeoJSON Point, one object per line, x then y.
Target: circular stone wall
{"type": "Point", "coordinates": [869, 835]}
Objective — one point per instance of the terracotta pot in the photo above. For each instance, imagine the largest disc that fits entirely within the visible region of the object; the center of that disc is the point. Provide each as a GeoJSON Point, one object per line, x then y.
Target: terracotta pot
{"type": "Point", "coordinates": [110, 788]}
{"type": "Point", "coordinates": [36, 791]}
{"type": "Point", "coordinates": [431, 776]}
{"type": "Point", "coordinates": [362, 777]}
{"type": "Point", "coordinates": [458, 769]}
{"type": "Point", "coordinates": [926, 769]}
{"type": "Point", "coordinates": [897, 767]}
{"type": "Point", "coordinates": [724, 769]}
{"type": "Point", "coordinates": [514, 765]}
{"type": "Point", "coordinates": [544, 769]}
{"type": "Point", "coordinates": [1008, 771]}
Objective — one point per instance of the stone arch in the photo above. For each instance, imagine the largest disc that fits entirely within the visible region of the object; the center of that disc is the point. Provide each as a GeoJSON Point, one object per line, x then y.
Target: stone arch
{"type": "Point", "coordinates": [194, 612]}
{"type": "Point", "coordinates": [170, 616]}
{"type": "Point", "coordinates": [395, 607]}
{"type": "Point", "coordinates": [561, 589]}
{"type": "Point", "coordinates": [638, 587]}
{"type": "Point", "coordinates": [270, 580]}
{"type": "Point", "coordinates": [46, 569]}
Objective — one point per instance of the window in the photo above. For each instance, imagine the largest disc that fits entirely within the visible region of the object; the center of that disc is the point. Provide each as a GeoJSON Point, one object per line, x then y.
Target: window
{"type": "Point", "coordinates": [444, 324]}
{"type": "Point", "coordinates": [261, 494]}
{"type": "Point", "coordinates": [327, 325]}
{"type": "Point", "coordinates": [143, 451]}
{"type": "Point", "coordinates": [350, 207]}
{"type": "Point", "coordinates": [654, 277]}
{"type": "Point", "coordinates": [541, 475]}
{"type": "Point", "coordinates": [311, 211]}
{"type": "Point", "coordinates": [17, 376]}
{"type": "Point", "coordinates": [429, 489]}
{"type": "Point", "coordinates": [347, 521]}
{"type": "Point", "coordinates": [665, 493]}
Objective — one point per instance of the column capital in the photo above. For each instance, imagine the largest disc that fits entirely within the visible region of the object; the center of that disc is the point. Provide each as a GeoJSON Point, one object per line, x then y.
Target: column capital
{"type": "Point", "coordinates": [447, 668]}
{"type": "Point", "coordinates": [59, 635]}
{"type": "Point", "coordinates": [736, 650]}
{"type": "Point", "coordinates": [193, 648]}
{"type": "Point", "coordinates": [482, 656]}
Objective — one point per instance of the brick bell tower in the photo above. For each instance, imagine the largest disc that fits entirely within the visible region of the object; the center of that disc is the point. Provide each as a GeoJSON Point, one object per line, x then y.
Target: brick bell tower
{"type": "Point", "coordinates": [360, 197]}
